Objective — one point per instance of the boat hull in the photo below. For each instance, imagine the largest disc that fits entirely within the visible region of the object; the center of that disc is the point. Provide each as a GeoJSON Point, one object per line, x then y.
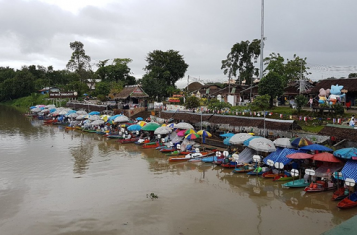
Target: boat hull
{"type": "Point", "coordinates": [300, 183]}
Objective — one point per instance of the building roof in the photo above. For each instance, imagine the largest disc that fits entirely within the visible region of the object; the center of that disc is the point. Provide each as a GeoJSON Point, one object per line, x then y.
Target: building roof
{"type": "Point", "coordinates": [340, 132]}
{"type": "Point", "coordinates": [134, 91]}
{"type": "Point", "coordinates": [349, 84]}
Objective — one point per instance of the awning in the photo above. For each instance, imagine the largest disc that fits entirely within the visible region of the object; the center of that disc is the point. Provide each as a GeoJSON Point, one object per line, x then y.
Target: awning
{"type": "Point", "coordinates": [246, 155]}
{"type": "Point", "coordinates": [286, 151]}
{"type": "Point", "coordinates": [273, 156]}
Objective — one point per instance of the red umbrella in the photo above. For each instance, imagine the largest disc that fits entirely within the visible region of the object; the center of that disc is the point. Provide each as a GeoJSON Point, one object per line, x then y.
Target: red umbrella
{"type": "Point", "coordinates": [299, 156]}
{"type": "Point", "coordinates": [325, 157]}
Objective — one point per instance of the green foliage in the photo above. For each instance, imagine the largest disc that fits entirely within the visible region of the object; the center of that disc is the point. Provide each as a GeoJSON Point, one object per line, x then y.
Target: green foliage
{"type": "Point", "coordinates": [215, 104]}
{"type": "Point", "coordinates": [164, 69]}
{"type": "Point", "coordinates": [261, 103]}
{"type": "Point", "coordinates": [240, 59]}
{"type": "Point", "coordinates": [271, 85]}
{"type": "Point", "coordinates": [352, 75]}
{"type": "Point", "coordinates": [290, 71]}
{"type": "Point", "coordinates": [101, 97]}
{"type": "Point", "coordinates": [192, 102]}
{"type": "Point", "coordinates": [300, 101]}
{"type": "Point", "coordinates": [117, 71]}
{"type": "Point", "coordinates": [102, 88]}
{"type": "Point", "coordinates": [339, 109]}
{"type": "Point", "coordinates": [79, 62]}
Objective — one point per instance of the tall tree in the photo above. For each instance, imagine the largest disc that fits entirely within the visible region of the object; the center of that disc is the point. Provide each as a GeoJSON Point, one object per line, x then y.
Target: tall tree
{"type": "Point", "coordinates": [164, 69]}
{"type": "Point", "coordinates": [272, 85]}
{"type": "Point", "coordinates": [117, 71]}
{"type": "Point", "coordinates": [241, 58]}
{"type": "Point", "coordinates": [79, 62]}
{"type": "Point", "coordinates": [290, 71]}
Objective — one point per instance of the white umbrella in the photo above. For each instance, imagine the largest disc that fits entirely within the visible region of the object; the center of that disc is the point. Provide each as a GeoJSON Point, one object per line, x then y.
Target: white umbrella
{"type": "Point", "coordinates": [94, 117]}
{"type": "Point", "coordinates": [121, 118]}
{"type": "Point", "coordinates": [80, 117]}
{"type": "Point", "coordinates": [239, 138]}
{"type": "Point", "coordinates": [97, 122]}
{"type": "Point", "coordinates": [184, 125]}
{"type": "Point", "coordinates": [81, 112]}
{"type": "Point", "coordinates": [262, 145]}
{"type": "Point", "coordinates": [73, 115]}
{"type": "Point", "coordinates": [162, 130]}
{"type": "Point", "coordinates": [36, 110]}
{"type": "Point", "coordinates": [283, 142]}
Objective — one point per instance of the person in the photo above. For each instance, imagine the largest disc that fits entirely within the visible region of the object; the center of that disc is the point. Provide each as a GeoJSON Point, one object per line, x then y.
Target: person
{"type": "Point", "coordinates": [311, 101]}
{"type": "Point", "coordinates": [352, 121]}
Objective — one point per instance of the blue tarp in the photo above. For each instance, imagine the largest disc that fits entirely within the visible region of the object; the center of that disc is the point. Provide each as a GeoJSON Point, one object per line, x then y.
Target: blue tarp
{"type": "Point", "coordinates": [273, 156]}
{"type": "Point", "coordinates": [346, 153]}
{"type": "Point", "coordinates": [316, 147]}
{"type": "Point", "coordinates": [350, 170]}
{"type": "Point", "coordinates": [286, 151]}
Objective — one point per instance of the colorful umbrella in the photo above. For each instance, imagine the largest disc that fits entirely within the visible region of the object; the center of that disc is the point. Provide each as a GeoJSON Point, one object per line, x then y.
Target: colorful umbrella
{"type": "Point", "coordinates": [142, 123]}
{"type": "Point", "coordinates": [204, 133]}
{"type": "Point", "coordinates": [135, 127]}
{"type": "Point", "coordinates": [190, 131]}
{"type": "Point", "coordinates": [300, 141]}
{"type": "Point", "coordinates": [346, 153]}
{"type": "Point", "coordinates": [192, 136]}
{"type": "Point", "coordinates": [325, 157]}
{"type": "Point", "coordinates": [139, 119]}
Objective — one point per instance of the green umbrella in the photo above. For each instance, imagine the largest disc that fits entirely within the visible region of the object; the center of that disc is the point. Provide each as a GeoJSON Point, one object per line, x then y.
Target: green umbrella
{"type": "Point", "coordinates": [151, 126]}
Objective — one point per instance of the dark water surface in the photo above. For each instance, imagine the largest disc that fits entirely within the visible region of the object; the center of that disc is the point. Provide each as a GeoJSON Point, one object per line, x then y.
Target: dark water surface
{"type": "Point", "coordinates": [58, 182]}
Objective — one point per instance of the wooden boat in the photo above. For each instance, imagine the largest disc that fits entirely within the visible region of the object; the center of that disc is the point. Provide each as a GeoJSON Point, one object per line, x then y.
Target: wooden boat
{"type": "Point", "coordinates": [110, 136]}
{"type": "Point", "coordinates": [211, 159]}
{"type": "Point", "coordinates": [70, 128]}
{"type": "Point", "coordinates": [151, 145]}
{"type": "Point", "coordinates": [287, 176]}
{"type": "Point", "coordinates": [218, 161]}
{"type": "Point", "coordinates": [348, 202]}
{"type": "Point", "coordinates": [230, 165]}
{"type": "Point", "coordinates": [300, 183]}
{"type": "Point", "coordinates": [259, 171]}
{"type": "Point", "coordinates": [339, 194]}
{"type": "Point", "coordinates": [244, 169]}
{"type": "Point", "coordinates": [319, 186]}
{"type": "Point", "coordinates": [271, 174]}
{"type": "Point", "coordinates": [187, 157]}
{"type": "Point", "coordinates": [49, 122]}
{"type": "Point", "coordinates": [127, 141]}
{"type": "Point", "coordinates": [167, 150]}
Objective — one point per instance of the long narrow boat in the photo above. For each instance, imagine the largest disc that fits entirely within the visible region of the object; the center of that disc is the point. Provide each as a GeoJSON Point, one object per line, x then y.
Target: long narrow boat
{"type": "Point", "coordinates": [49, 122]}
{"type": "Point", "coordinates": [300, 183]}
{"type": "Point", "coordinates": [319, 186]}
{"type": "Point", "coordinates": [115, 136]}
{"type": "Point", "coordinates": [243, 169]}
{"type": "Point", "coordinates": [211, 159]}
{"type": "Point", "coordinates": [259, 171]}
{"type": "Point", "coordinates": [167, 150]}
{"type": "Point", "coordinates": [127, 141]}
{"type": "Point", "coordinates": [231, 164]}
{"type": "Point", "coordinates": [151, 145]}
{"type": "Point", "coordinates": [348, 202]}
{"type": "Point", "coordinates": [339, 194]}
{"type": "Point", "coordinates": [187, 157]}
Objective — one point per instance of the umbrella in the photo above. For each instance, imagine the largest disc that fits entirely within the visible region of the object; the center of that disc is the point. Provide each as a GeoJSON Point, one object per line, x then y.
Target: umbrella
{"type": "Point", "coordinates": [81, 112]}
{"type": "Point", "coordinates": [35, 110]}
{"type": "Point", "coordinates": [72, 115]}
{"type": "Point", "coordinates": [93, 117]}
{"type": "Point", "coordinates": [142, 123]}
{"type": "Point", "coordinates": [299, 156]}
{"type": "Point", "coordinates": [151, 126]}
{"type": "Point", "coordinates": [80, 117]}
{"type": "Point", "coordinates": [283, 142]}
{"type": "Point", "coordinates": [172, 125]}
{"type": "Point", "coordinates": [97, 122]}
{"type": "Point", "coordinates": [226, 141]}
{"type": "Point", "coordinates": [121, 118]}
{"type": "Point", "coordinates": [317, 147]}
{"type": "Point", "coordinates": [262, 145]}
{"type": "Point", "coordinates": [135, 127]}
{"type": "Point", "coordinates": [190, 131]}
{"type": "Point", "coordinates": [246, 142]}
{"type": "Point", "coordinates": [162, 130]}
{"type": "Point", "coordinates": [300, 141]}
{"type": "Point", "coordinates": [139, 119]}
{"type": "Point", "coordinates": [204, 133]}
{"type": "Point", "coordinates": [239, 138]}
{"type": "Point", "coordinates": [94, 113]}
{"type": "Point", "coordinates": [184, 125]}
{"type": "Point", "coordinates": [192, 136]}
{"type": "Point", "coordinates": [181, 133]}
{"type": "Point", "coordinates": [325, 157]}
{"type": "Point", "coordinates": [227, 135]}
{"type": "Point", "coordinates": [346, 153]}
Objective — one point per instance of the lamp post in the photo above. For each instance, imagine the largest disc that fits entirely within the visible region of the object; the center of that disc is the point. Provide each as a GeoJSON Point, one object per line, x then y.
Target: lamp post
{"type": "Point", "coordinates": [261, 41]}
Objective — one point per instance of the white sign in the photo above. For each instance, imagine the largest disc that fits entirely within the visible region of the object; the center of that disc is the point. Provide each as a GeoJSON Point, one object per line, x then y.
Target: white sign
{"type": "Point", "coordinates": [294, 172]}
{"type": "Point", "coordinates": [279, 165]}
{"type": "Point", "coordinates": [350, 182]}
{"type": "Point", "coordinates": [270, 162]}
{"type": "Point", "coordinates": [256, 158]}
{"type": "Point", "coordinates": [309, 172]}
{"type": "Point", "coordinates": [225, 153]}
{"type": "Point", "coordinates": [218, 153]}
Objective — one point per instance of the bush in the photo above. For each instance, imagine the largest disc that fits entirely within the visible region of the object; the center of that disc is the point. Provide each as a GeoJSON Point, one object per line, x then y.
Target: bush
{"type": "Point", "coordinates": [339, 109]}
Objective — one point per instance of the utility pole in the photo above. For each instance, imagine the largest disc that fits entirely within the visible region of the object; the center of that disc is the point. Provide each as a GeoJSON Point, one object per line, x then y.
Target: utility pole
{"type": "Point", "coordinates": [261, 41]}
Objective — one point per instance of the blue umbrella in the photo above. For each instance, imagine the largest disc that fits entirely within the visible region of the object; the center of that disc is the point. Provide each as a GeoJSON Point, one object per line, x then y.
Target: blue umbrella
{"type": "Point", "coordinates": [94, 113]}
{"type": "Point", "coordinates": [139, 119]}
{"type": "Point", "coordinates": [246, 142]}
{"type": "Point", "coordinates": [52, 110]}
{"type": "Point", "coordinates": [226, 141]}
{"type": "Point", "coordinates": [32, 107]}
{"type": "Point", "coordinates": [346, 153]}
{"type": "Point", "coordinates": [135, 127]}
{"type": "Point", "coordinates": [316, 147]}
{"type": "Point", "coordinates": [227, 135]}
{"type": "Point", "coordinates": [71, 111]}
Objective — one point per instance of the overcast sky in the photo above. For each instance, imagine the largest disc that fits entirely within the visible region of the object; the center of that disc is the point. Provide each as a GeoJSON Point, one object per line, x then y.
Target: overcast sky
{"type": "Point", "coordinates": [38, 32]}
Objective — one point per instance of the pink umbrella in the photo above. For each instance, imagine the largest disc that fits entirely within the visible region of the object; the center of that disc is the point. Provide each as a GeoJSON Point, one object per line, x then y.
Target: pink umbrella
{"type": "Point", "coordinates": [326, 157]}
{"type": "Point", "coordinates": [181, 133]}
{"type": "Point", "coordinates": [299, 156]}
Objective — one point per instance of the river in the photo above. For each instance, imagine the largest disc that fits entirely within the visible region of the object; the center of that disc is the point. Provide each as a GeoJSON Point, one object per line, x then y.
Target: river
{"type": "Point", "coordinates": [58, 182]}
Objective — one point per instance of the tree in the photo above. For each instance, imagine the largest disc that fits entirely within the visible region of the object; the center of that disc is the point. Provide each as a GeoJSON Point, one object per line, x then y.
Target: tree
{"type": "Point", "coordinates": [215, 104]}
{"type": "Point", "coordinates": [192, 102]}
{"type": "Point", "coordinates": [163, 69]}
{"type": "Point", "coordinates": [79, 62]}
{"type": "Point", "coordinates": [272, 85]}
{"type": "Point", "coordinates": [292, 70]}
{"type": "Point", "coordinates": [261, 103]}
{"type": "Point", "coordinates": [117, 71]}
{"type": "Point", "coordinates": [240, 59]}
{"type": "Point", "coordinates": [352, 75]}
{"type": "Point", "coordinates": [300, 101]}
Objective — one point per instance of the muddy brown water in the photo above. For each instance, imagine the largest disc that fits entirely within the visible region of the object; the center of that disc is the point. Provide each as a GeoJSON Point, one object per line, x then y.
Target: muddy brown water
{"type": "Point", "coordinates": [58, 182]}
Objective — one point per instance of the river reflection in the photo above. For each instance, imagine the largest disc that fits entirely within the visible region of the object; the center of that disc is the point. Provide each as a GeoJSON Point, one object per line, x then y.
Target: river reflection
{"type": "Point", "coordinates": [54, 181]}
